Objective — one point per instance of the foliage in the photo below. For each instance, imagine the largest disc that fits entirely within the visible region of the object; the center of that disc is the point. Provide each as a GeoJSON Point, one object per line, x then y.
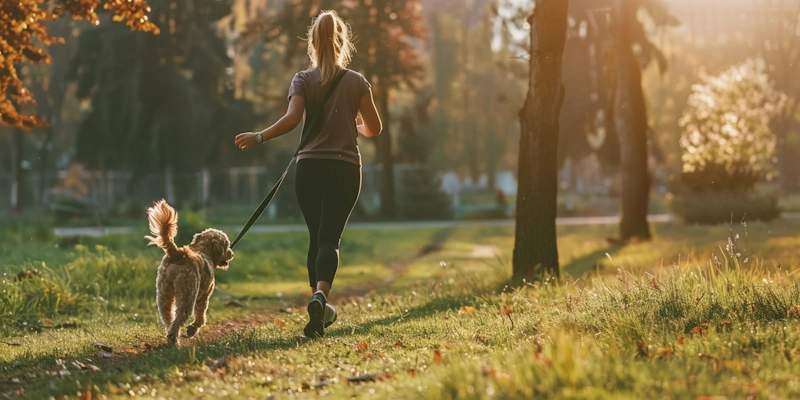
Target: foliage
{"type": "Point", "coordinates": [165, 96]}
{"type": "Point", "coordinates": [726, 140]}
{"type": "Point", "coordinates": [25, 21]}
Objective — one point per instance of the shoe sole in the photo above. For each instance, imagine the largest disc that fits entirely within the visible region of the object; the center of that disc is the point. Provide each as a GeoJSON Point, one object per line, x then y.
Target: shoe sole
{"type": "Point", "coordinates": [315, 328]}
{"type": "Point", "coordinates": [330, 322]}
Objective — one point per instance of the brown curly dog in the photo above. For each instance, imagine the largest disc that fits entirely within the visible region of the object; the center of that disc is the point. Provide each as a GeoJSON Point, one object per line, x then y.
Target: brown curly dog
{"type": "Point", "coordinates": [185, 279]}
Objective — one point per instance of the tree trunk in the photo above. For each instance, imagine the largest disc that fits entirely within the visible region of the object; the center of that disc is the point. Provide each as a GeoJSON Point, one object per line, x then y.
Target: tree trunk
{"type": "Point", "coordinates": [44, 154]}
{"type": "Point", "coordinates": [535, 251]}
{"type": "Point", "coordinates": [17, 183]}
{"type": "Point", "coordinates": [386, 158]}
{"type": "Point", "coordinates": [631, 122]}
{"type": "Point", "coordinates": [788, 171]}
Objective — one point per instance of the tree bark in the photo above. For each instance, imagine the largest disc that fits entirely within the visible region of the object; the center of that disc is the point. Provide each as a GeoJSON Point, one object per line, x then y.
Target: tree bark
{"type": "Point", "coordinates": [630, 118]}
{"type": "Point", "coordinates": [386, 158]}
{"type": "Point", "coordinates": [535, 250]}
{"type": "Point", "coordinates": [17, 184]}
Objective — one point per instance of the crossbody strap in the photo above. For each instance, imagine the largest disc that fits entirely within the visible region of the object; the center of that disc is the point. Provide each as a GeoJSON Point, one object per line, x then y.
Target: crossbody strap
{"type": "Point", "coordinates": [309, 131]}
{"type": "Point", "coordinates": [310, 127]}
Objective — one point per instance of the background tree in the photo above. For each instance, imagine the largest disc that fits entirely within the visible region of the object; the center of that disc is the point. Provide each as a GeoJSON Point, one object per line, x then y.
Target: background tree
{"type": "Point", "coordinates": [166, 96]}
{"type": "Point", "coordinates": [535, 250]}
{"type": "Point", "coordinates": [630, 111]}
{"type": "Point", "coordinates": [387, 35]}
{"type": "Point", "coordinates": [24, 23]}
{"type": "Point", "coordinates": [631, 125]}
{"type": "Point", "coordinates": [23, 38]}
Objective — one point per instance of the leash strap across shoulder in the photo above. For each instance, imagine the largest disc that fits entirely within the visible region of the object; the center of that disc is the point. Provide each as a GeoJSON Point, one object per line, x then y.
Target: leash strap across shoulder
{"type": "Point", "coordinates": [310, 129]}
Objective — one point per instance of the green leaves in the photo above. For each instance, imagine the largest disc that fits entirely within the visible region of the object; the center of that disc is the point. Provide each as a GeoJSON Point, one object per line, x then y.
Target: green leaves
{"type": "Point", "coordinates": [726, 127]}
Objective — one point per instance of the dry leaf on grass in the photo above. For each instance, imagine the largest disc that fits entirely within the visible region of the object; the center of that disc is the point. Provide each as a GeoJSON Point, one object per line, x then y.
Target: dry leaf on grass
{"type": "Point", "coordinates": [507, 311]}
{"type": "Point", "coordinates": [437, 356]}
{"type": "Point", "coordinates": [362, 346]}
{"type": "Point", "coordinates": [398, 344]}
{"type": "Point", "coordinates": [664, 351]}
{"type": "Point", "coordinates": [467, 310]}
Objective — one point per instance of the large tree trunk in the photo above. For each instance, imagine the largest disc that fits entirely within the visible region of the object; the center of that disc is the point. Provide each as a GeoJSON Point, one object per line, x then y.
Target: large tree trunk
{"type": "Point", "coordinates": [788, 171]}
{"type": "Point", "coordinates": [535, 251]}
{"type": "Point", "coordinates": [631, 123]}
{"type": "Point", "coordinates": [386, 158]}
{"type": "Point", "coordinates": [17, 182]}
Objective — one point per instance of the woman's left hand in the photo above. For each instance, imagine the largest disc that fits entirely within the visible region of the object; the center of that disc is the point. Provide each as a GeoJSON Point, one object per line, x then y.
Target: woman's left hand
{"type": "Point", "coordinates": [246, 141]}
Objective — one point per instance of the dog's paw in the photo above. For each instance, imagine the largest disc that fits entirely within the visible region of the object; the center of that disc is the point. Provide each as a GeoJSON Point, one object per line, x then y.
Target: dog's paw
{"type": "Point", "coordinates": [191, 330]}
{"type": "Point", "coordinates": [172, 340]}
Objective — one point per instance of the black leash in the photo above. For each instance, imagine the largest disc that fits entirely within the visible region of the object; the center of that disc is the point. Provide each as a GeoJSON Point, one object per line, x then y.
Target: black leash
{"type": "Point", "coordinates": [309, 130]}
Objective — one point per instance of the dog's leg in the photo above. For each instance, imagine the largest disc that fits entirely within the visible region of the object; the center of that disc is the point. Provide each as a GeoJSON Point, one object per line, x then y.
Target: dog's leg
{"type": "Point", "coordinates": [185, 296]}
{"type": "Point", "coordinates": [200, 309]}
{"type": "Point", "coordinates": [165, 297]}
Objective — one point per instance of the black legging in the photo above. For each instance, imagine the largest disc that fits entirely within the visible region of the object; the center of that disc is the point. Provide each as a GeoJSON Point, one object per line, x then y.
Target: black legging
{"type": "Point", "coordinates": [327, 191]}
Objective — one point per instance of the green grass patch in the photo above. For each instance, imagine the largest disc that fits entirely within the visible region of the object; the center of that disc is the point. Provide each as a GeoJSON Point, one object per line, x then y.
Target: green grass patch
{"type": "Point", "coordinates": [684, 316]}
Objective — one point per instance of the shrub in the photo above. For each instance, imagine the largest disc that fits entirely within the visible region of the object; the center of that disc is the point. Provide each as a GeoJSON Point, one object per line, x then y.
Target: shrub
{"type": "Point", "coordinates": [716, 207]}
{"type": "Point", "coordinates": [726, 140]}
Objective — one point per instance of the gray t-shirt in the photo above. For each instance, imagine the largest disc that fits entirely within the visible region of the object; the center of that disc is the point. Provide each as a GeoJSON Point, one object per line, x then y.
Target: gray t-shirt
{"type": "Point", "coordinates": [338, 139]}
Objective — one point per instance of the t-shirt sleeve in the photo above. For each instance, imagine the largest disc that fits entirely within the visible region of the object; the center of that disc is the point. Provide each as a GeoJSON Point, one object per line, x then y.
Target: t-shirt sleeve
{"type": "Point", "coordinates": [297, 88]}
{"type": "Point", "coordinates": [363, 86]}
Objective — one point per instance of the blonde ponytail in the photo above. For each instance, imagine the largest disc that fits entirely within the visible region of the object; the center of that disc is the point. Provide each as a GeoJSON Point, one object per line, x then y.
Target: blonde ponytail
{"type": "Point", "coordinates": [329, 45]}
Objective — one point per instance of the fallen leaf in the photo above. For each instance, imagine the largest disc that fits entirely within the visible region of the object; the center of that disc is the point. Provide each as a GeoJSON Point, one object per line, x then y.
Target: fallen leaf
{"type": "Point", "coordinates": [131, 351]}
{"type": "Point", "coordinates": [467, 310]}
{"type": "Point", "coordinates": [437, 356]}
{"type": "Point", "coordinates": [664, 351]}
{"type": "Point", "coordinates": [362, 346]}
{"type": "Point", "coordinates": [104, 347]}
{"type": "Point", "coordinates": [682, 340]}
{"type": "Point", "coordinates": [412, 372]}
{"type": "Point", "coordinates": [726, 322]}
{"type": "Point", "coordinates": [642, 349]}
{"type": "Point", "coordinates": [507, 311]}
{"type": "Point", "coordinates": [398, 344]}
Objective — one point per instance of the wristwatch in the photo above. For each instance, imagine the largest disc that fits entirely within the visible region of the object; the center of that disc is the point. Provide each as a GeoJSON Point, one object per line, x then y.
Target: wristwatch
{"type": "Point", "coordinates": [259, 138]}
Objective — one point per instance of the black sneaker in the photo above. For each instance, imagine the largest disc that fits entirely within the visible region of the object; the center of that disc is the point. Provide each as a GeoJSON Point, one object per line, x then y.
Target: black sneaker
{"type": "Point", "coordinates": [330, 316]}
{"type": "Point", "coordinates": [316, 313]}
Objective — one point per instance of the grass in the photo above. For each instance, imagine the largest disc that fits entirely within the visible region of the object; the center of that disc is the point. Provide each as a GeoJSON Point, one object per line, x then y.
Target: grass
{"type": "Point", "coordinates": [423, 314]}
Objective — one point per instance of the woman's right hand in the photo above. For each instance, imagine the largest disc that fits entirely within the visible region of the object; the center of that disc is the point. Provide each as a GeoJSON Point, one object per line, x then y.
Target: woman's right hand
{"type": "Point", "coordinates": [246, 141]}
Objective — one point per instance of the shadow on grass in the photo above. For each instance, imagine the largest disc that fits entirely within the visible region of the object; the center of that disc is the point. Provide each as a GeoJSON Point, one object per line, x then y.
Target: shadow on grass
{"type": "Point", "coordinates": [162, 362]}
{"type": "Point", "coordinates": [590, 263]}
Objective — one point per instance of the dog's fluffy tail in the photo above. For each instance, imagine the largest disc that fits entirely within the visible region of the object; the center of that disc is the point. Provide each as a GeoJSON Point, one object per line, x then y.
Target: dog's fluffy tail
{"type": "Point", "coordinates": [163, 226]}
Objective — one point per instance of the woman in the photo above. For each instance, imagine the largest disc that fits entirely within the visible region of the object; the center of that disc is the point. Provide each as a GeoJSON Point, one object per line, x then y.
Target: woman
{"type": "Point", "coordinates": [328, 178]}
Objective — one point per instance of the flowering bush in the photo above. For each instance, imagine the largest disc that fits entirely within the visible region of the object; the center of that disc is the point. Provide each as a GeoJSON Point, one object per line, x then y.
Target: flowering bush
{"type": "Point", "coordinates": [726, 141]}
